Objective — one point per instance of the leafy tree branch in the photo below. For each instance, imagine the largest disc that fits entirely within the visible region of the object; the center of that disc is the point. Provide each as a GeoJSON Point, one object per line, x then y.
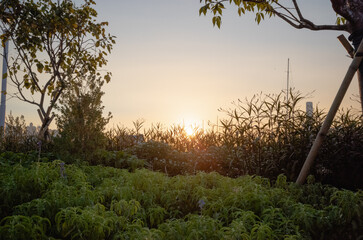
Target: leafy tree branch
{"type": "Point", "coordinates": [56, 43]}
{"type": "Point", "coordinates": [270, 8]}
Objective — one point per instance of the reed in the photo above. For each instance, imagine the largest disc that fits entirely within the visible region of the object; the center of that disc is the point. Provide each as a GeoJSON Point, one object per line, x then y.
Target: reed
{"type": "Point", "coordinates": [265, 135]}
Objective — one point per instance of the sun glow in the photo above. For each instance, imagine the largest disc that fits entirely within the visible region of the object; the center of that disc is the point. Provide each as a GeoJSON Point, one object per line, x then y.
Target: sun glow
{"type": "Point", "coordinates": [189, 130]}
{"type": "Point", "coordinates": [191, 126]}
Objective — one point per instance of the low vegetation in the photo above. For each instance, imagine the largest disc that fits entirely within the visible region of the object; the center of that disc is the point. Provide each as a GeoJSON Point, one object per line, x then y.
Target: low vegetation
{"type": "Point", "coordinates": [233, 181]}
{"type": "Point", "coordinates": [52, 200]}
{"type": "Point", "coordinates": [230, 182]}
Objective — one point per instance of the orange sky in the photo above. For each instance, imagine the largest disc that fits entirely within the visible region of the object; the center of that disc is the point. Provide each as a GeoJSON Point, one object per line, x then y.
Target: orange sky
{"type": "Point", "coordinates": [170, 65]}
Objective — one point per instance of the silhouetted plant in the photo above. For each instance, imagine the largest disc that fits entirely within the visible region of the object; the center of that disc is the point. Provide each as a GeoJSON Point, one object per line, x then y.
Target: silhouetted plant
{"type": "Point", "coordinates": [16, 138]}
{"type": "Point", "coordinates": [265, 135]}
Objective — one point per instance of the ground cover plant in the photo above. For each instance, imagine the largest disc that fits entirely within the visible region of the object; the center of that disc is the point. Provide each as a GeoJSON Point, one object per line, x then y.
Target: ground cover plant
{"type": "Point", "coordinates": [53, 200]}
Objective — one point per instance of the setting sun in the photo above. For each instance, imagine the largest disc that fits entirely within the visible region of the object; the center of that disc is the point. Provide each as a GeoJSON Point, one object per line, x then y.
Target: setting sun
{"type": "Point", "coordinates": [189, 130]}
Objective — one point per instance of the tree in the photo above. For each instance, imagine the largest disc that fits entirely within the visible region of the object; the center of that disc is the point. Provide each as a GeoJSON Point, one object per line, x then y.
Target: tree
{"type": "Point", "coordinates": [80, 122]}
{"type": "Point", "coordinates": [56, 44]}
{"type": "Point", "coordinates": [349, 19]}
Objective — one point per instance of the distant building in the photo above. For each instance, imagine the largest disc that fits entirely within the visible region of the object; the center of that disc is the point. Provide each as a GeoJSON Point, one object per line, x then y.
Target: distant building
{"type": "Point", "coordinates": [31, 130]}
{"type": "Point", "coordinates": [309, 109]}
{"type": "Point", "coordinates": [138, 138]}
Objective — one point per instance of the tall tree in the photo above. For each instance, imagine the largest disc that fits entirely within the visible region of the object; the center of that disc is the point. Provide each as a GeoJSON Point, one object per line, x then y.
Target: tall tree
{"type": "Point", "coordinates": [56, 43]}
{"type": "Point", "coordinates": [349, 19]}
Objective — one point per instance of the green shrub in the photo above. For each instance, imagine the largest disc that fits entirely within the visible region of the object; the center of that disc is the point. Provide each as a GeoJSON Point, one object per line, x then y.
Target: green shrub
{"type": "Point", "coordinates": [24, 227]}
{"type": "Point", "coordinates": [117, 159]}
{"type": "Point", "coordinates": [66, 201]}
{"type": "Point", "coordinates": [81, 123]}
{"type": "Point", "coordinates": [89, 223]}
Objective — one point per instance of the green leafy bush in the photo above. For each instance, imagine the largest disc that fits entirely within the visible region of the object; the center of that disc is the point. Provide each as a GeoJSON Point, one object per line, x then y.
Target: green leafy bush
{"type": "Point", "coordinates": [24, 227]}
{"type": "Point", "coordinates": [93, 222]}
{"type": "Point", "coordinates": [64, 201]}
{"type": "Point", "coordinates": [117, 159]}
{"type": "Point", "coordinates": [81, 123]}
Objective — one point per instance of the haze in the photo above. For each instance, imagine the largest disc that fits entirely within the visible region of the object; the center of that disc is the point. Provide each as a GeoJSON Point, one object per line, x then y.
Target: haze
{"type": "Point", "coordinates": [170, 65]}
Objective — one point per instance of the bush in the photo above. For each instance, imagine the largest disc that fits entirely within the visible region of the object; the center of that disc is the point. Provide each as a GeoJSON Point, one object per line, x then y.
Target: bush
{"type": "Point", "coordinates": [50, 200]}
{"type": "Point", "coordinates": [80, 123]}
{"type": "Point", "coordinates": [117, 159]}
{"type": "Point", "coordinates": [16, 137]}
{"type": "Point", "coordinates": [263, 136]}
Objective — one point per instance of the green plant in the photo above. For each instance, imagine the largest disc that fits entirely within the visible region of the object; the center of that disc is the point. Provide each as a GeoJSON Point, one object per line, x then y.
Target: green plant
{"type": "Point", "coordinates": [54, 200]}
{"type": "Point", "coordinates": [117, 159]}
{"type": "Point", "coordinates": [24, 227]}
{"type": "Point", "coordinates": [80, 122]}
{"type": "Point", "coordinates": [89, 223]}
{"type": "Point", "coordinates": [59, 41]}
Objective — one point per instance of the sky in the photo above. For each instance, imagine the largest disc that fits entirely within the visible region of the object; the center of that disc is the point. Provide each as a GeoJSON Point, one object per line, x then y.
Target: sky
{"type": "Point", "coordinates": [171, 66]}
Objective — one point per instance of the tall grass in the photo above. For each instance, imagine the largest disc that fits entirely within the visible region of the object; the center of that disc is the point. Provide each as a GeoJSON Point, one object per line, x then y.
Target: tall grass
{"type": "Point", "coordinates": [120, 138]}
{"type": "Point", "coordinates": [265, 135]}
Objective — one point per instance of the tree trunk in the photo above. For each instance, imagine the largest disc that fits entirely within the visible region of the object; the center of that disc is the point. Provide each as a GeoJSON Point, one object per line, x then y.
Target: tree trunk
{"type": "Point", "coordinates": [46, 120]}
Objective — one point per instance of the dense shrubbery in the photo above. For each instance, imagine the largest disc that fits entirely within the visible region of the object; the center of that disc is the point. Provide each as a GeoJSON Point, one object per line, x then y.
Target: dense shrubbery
{"type": "Point", "coordinates": [16, 138]}
{"type": "Point", "coordinates": [53, 200]}
{"type": "Point", "coordinates": [81, 123]}
{"type": "Point", "coordinates": [264, 136]}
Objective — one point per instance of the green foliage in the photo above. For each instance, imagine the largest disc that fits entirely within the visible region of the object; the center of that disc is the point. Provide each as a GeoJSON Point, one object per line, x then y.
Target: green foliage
{"type": "Point", "coordinates": [57, 43]}
{"type": "Point", "coordinates": [51, 200]}
{"type": "Point", "coordinates": [192, 227]}
{"type": "Point", "coordinates": [259, 8]}
{"type": "Point", "coordinates": [24, 227]}
{"type": "Point", "coordinates": [288, 11]}
{"type": "Point", "coordinates": [11, 158]}
{"type": "Point", "coordinates": [22, 184]}
{"type": "Point", "coordinates": [89, 223]}
{"type": "Point", "coordinates": [156, 216]}
{"type": "Point", "coordinates": [348, 202]}
{"type": "Point", "coordinates": [80, 122]}
{"type": "Point", "coordinates": [117, 159]}
{"type": "Point", "coordinates": [124, 208]}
